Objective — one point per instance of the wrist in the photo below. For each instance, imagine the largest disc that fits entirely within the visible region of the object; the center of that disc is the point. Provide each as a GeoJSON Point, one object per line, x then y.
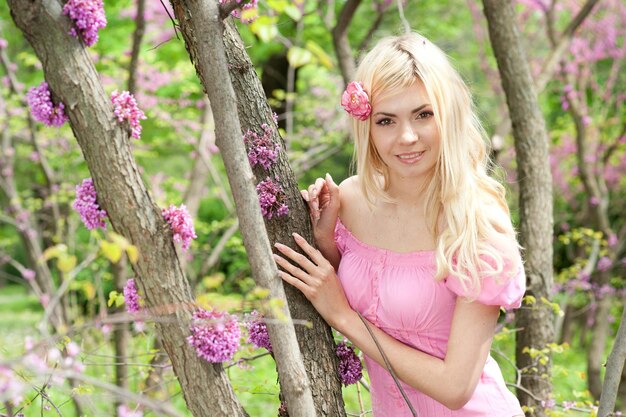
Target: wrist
{"type": "Point", "coordinates": [344, 322]}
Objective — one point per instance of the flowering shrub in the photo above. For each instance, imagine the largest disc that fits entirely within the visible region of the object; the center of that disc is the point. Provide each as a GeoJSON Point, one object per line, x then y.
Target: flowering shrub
{"type": "Point", "coordinates": [257, 331]}
{"type": "Point", "coordinates": [181, 223]}
{"type": "Point", "coordinates": [87, 206]}
{"type": "Point", "coordinates": [215, 335]}
{"type": "Point", "coordinates": [125, 108]}
{"type": "Point", "coordinates": [88, 17]}
{"type": "Point", "coordinates": [271, 198]}
{"type": "Point", "coordinates": [43, 109]}
{"type": "Point", "coordinates": [261, 149]}
{"type": "Point", "coordinates": [350, 367]}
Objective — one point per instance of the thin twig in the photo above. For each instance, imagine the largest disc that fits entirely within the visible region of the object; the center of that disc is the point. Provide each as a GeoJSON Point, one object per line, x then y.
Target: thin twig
{"type": "Point", "coordinates": [388, 365]}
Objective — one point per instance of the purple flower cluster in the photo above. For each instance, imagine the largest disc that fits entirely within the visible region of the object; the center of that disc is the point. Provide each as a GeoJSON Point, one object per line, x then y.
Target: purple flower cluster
{"type": "Point", "coordinates": [131, 296]}
{"type": "Point", "coordinates": [43, 109]}
{"type": "Point", "coordinates": [181, 223]}
{"type": "Point", "coordinates": [88, 17]}
{"type": "Point", "coordinates": [125, 108]}
{"type": "Point", "coordinates": [257, 331]}
{"type": "Point", "coordinates": [271, 198]}
{"type": "Point", "coordinates": [215, 335]}
{"type": "Point", "coordinates": [261, 150]}
{"type": "Point", "coordinates": [350, 368]}
{"type": "Point", "coordinates": [87, 206]}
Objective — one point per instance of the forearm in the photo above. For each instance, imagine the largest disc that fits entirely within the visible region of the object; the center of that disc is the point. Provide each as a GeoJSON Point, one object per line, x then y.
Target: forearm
{"type": "Point", "coordinates": [329, 250]}
{"type": "Point", "coordinates": [426, 373]}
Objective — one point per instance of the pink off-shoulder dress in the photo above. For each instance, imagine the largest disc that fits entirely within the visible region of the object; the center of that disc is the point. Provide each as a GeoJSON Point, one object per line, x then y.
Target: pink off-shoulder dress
{"type": "Point", "coordinates": [397, 292]}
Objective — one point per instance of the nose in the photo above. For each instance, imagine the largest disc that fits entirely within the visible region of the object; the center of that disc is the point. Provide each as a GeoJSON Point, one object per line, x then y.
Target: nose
{"type": "Point", "coordinates": [409, 133]}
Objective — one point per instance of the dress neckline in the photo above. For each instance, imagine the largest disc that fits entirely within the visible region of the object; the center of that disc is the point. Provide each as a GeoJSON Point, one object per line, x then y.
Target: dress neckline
{"type": "Point", "coordinates": [375, 250]}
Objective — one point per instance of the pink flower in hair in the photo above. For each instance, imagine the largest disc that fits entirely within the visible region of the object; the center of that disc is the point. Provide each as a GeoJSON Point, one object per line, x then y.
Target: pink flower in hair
{"type": "Point", "coordinates": [356, 102]}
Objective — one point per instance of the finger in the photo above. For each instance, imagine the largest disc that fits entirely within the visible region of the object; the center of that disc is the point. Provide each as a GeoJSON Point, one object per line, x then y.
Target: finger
{"type": "Point", "coordinates": [320, 183]}
{"type": "Point", "coordinates": [313, 201]}
{"type": "Point", "coordinates": [298, 258]}
{"type": "Point", "coordinates": [295, 282]}
{"type": "Point", "coordinates": [292, 269]}
{"type": "Point", "coordinates": [305, 195]}
{"type": "Point", "coordinates": [313, 253]}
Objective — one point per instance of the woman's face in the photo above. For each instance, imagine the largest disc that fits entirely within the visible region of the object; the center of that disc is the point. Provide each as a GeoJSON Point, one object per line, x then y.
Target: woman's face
{"type": "Point", "coordinates": [404, 132]}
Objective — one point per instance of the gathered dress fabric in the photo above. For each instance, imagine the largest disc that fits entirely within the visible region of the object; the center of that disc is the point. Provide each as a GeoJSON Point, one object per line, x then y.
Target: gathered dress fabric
{"type": "Point", "coordinates": [398, 293]}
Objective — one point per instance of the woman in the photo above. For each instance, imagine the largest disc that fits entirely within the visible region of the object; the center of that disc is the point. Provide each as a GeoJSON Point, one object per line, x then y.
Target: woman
{"type": "Point", "coordinates": [421, 240]}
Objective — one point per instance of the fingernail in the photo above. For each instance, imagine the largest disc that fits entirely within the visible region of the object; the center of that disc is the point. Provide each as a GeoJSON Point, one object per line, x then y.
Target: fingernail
{"type": "Point", "coordinates": [297, 236]}
{"type": "Point", "coordinates": [278, 245]}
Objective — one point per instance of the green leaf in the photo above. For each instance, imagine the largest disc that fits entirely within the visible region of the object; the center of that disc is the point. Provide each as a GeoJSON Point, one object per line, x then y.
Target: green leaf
{"type": "Point", "coordinates": [320, 54]}
{"type": "Point", "coordinates": [298, 57]}
{"type": "Point", "coordinates": [265, 28]}
{"type": "Point", "coordinates": [112, 251]}
{"type": "Point", "coordinates": [112, 297]}
{"type": "Point", "coordinates": [293, 12]}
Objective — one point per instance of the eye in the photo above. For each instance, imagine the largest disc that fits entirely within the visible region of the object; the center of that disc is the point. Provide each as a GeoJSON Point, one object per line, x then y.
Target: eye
{"type": "Point", "coordinates": [425, 115]}
{"type": "Point", "coordinates": [384, 122]}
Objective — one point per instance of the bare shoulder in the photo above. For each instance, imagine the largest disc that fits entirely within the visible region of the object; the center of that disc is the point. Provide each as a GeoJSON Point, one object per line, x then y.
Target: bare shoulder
{"type": "Point", "coordinates": [350, 191]}
{"type": "Point", "coordinates": [350, 195]}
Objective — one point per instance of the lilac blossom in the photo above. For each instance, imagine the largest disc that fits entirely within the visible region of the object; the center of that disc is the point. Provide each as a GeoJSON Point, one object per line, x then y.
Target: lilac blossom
{"type": "Point", "coordinates": [241, 15]}
{"type": "Point", "coordinates": [131, 297]}
{"type": "Point", "coordinates": [257, 331]}
{"type": "Point", "coordinates": [86, 205]}
{"type": "Point", "coordinates": [271, 198]}
{"type": "Point", "coordinates": [43, 109]}
{"type": "Point", "coordinates": [261, 149]}
{"type": "Point", "coordinates": [215, 335]}
{"type": "Point", "coordinates": [11, 387]}
{"type": "Point", "coordinates": [350, 367]}
{"type": "Point", "coordinates": [125, 109]}
{"type": "Point", "coordinates": [88, 17]}
{"type": "Point", "coordinates": [181, 223]}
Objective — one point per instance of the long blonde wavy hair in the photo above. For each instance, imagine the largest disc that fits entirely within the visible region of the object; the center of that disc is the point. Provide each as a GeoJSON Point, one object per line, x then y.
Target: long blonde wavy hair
{"type": "Point", "coordinates": [466, 208]}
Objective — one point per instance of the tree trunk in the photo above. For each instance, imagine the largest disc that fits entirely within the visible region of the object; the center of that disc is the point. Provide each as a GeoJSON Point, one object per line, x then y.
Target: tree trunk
{"type": "Point", "coordinates": [595, 354]}
{"type": "Point", "coordinates": [203, 31]}
{"type": "Point", "coordinates": [73, 79]}
{"type": "Point", "coordinates": [535, 183]}
{"type": "Point", "coordinates": [614, 371]}
{"type": "Point", "coordinates": [316, 343]}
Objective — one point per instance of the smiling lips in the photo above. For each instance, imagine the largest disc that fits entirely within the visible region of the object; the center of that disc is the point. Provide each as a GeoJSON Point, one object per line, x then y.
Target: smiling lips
{"type": "Point", "coordinates": [410, 158]}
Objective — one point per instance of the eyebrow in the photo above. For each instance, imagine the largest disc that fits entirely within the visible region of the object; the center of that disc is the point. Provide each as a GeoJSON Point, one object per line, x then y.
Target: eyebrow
{"type": "Point", "coordinates": [417, 110]}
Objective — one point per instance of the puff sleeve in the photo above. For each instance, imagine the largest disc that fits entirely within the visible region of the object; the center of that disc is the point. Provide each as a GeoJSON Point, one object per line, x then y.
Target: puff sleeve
{"type": "Point", "coordinates": [505, 290]}
{"type": "Point", "coordinates": [340, 236]}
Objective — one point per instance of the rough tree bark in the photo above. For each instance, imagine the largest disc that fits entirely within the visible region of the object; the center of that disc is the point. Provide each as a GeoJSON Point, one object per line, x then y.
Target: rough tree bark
{"type": "Point", "coordinates": [106, 146]}
{"type": "Point", "coordinates": [316, 343]}
{"type": "Point", "coordinates": [535, 183]}
{"type": "Point", "coordinates": [614, 369]}
{"type": "Point", "coordinates": [203, 30]}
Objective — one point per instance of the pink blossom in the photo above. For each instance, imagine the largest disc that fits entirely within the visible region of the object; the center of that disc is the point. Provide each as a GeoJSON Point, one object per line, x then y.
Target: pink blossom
{"type": "Point", "coordinates": [261, 149]}
{"type": "Point", "coordinates": [215, 335]}
{"type": "Point", "coordinates": [356, 102]}
{"type": "Point", "coordinates": [257, 331]}
{"type": "Point", "coordinates": [181, 223]}
{"type": "Point", "coordinates": [604, 264]}
{"type": "Point", "coordinates": [87, 206]}
{"type": "Point", "coordinates": [125, 109]}
{"type": "Point", "coordinates": [271, 198]}
{"type": "Point", "coordinates": [28, 274]}
{"type": "Point", "coordinates": [43, 109]}
{"type": "Point", "coordinates": [125, 411]}
{"type": "Point", "coordinates": [350, 367]}
{"type": "Point", "coordinates": [72, 349]}
{"type": "Point", "coordinates": [131, 297]}
{"type": "Point", "coordinates": [3, 43]}
{"type": "Point", "coordinates": [88, 17]}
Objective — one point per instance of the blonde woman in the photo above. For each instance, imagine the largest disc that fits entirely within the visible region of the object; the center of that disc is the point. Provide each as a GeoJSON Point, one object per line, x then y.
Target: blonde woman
{"type": "Point", "coordinates": [417, 253]}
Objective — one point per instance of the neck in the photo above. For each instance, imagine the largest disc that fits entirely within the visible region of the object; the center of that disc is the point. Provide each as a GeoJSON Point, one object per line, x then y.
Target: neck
{"type": "Point", "coordinates": [408, 191]}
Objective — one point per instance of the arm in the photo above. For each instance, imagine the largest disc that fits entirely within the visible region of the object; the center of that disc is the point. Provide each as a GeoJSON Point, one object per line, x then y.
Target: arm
{"type": "Point", "coordinates": [470, 339]}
